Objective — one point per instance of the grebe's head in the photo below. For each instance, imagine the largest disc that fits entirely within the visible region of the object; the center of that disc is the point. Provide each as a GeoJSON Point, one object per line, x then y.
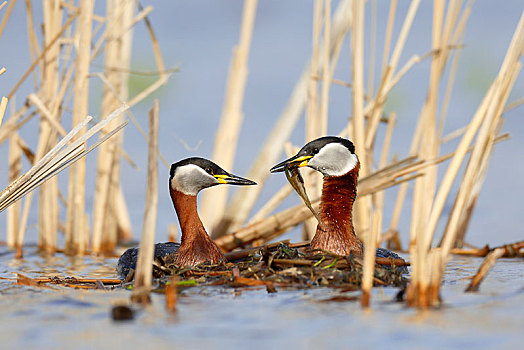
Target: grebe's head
{"type": "Point", "coordinates": [192, 175]}
{"type": "Point", "coordinates": [331, 155]}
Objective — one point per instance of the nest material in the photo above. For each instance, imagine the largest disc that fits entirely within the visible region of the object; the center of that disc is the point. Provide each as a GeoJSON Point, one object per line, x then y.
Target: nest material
{"type": "Point", "coordinates": [282, 266]}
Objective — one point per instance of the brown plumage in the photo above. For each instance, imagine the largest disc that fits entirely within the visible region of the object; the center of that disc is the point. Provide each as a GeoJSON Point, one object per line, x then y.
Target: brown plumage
{"type": "Point", "coordinates": [196, 246]}
{"type": "Point", "coordinates": [338, 235]}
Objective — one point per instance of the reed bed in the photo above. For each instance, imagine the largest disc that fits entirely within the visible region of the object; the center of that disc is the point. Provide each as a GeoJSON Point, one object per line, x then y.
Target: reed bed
{"type": "Point", "coordinates": [74, 37]}
{"type": "Point", "coordinates": [367, 117]}
{"type": "Point", "coordinates": [61, 75]}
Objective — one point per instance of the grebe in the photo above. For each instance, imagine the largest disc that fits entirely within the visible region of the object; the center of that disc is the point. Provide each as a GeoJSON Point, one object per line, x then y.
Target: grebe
{"type": "Point", "coordinates": [335, 158]}
{"type": "Point", "coordinates": [187, 178]}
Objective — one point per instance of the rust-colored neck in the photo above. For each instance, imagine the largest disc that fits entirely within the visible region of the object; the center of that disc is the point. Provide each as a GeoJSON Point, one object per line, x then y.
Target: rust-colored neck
{"type": "Point", "coordinates": [338, 235]}
{"type": "Point", "coordinates": [195, 246]}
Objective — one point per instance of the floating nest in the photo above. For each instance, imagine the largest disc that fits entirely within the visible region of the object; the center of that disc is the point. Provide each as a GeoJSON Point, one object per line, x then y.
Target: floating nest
{"type": "Point", "coordinates": [280, 265]}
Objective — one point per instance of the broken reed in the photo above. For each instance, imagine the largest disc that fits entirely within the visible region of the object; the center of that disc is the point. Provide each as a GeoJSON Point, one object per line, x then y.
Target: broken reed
{"type": "Point", "coordinates": [60, 69]}
{"type": "Point", "coordinates": [448, 27]}
{"type": "Point", "coordinates": [144, 266]}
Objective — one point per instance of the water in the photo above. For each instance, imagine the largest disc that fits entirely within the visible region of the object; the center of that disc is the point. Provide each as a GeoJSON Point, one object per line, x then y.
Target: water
{"type": "Point", "coordinates": [219, 318]}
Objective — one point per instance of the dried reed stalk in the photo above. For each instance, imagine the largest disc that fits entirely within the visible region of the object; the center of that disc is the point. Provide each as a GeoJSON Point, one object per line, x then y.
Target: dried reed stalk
{"type": "Point", "coordinates": [213, 203]}
{"type": "Point", "coordinates": [271, 204]}
{"type": "Point", "coordinates": [379, 197]}
{"type": "Point", "coordinates": [477, 166]}
{"type": "Point", "coordinates": [133, 119]}
{"type": "Point", "coordinates": [144, 268]}
{"type": "Point", "coordinates": [375, 108]}
{"type": "Point", "coordinates": [34, 49]}
{"type": "Point", "coordinates": [425, 186]}
{"type": "Point", "coordinates": [6, 15]}
{"type": "Point", "coordinates": [372, 47]}
{"type": "Point", "coordinates": [19, 244]}
{"type": "Point", "coordinates": [487, 264]}
{"type": "Point", "coordinates": [49, 45]}
{"type": "Point", "coordinates": [458, 39]}
{"type": "Point", "coordinates": [492, 105]}
{"type": "Point", "coordinates": [125, 229]}
{"type": "Point", "coordinates": [312, 96]}
{"type": "Point", "coordinates": [376, 223]}
{"type": "Point", "coordinates": [363, 208]}
{"type": "Point", "coordinates": [243, 201]}
{"type": "Point", "coordinates": [46, 114]}
{"type": "Point", "coordinates": [510, 250]}
{"type": "Point", "coordinates": [3, 107]}
{"type": "Point", "coordinates": [367, 221]}
{"type": "Point", "coordinates": [279, 196]}
{"type": "Point", "coordinates": [327, 70]}
{"type": "Point", "coordinates": [13, 212]}
{"type": "Point", "coordinates": [76, 236]}
{"type": "Point", "coordinates": [425, 286]}
{"type": "Point", "coordinates": [48, 196]}
{"type": "Point", "coordinates": [120, 93]}
{"type": "Point", "coordinates": [117, 53]}
{"type": "Point", "coordinates": [316, 115]}
{"type": "Point", "coordinates": [389, 33]}
{"type": "Point", "coordinates": [163, 73]}
{"type": "Point", "coordinates": [57, 159]}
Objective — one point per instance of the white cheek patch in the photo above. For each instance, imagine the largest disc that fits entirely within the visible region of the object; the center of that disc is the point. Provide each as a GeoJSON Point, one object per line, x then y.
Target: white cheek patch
{"type": "Point", "coordinates": [191, 179]}
{"type": "Point", "coordinates": [333, 160]}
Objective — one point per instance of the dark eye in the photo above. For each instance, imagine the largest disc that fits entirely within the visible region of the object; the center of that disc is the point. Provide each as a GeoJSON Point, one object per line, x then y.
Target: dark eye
{"type": "Point", "coordinates": [315, 150]}
{"type": "Point", "coordinates": [209, 171]}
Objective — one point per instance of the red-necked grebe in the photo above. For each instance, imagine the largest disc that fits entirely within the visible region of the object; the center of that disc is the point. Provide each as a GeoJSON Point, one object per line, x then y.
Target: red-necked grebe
{"type": "Point", "coordinates": [187, 178]}
{"type": "Point", "coordinates": [335, 158]}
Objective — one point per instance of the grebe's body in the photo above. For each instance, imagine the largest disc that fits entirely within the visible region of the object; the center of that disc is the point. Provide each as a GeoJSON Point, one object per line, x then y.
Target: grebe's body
{"type": "Point", "coordinates": [187, 178]}
{"type": "Point", "coordinates": [335, 158]}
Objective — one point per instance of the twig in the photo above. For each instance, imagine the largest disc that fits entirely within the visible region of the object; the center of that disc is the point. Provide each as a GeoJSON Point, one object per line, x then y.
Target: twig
{"type": "Point", "coordinates": [487, 264]}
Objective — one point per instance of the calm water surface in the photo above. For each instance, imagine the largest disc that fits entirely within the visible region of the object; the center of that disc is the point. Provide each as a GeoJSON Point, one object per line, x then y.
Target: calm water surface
{"type": "Point", "coordinates": [220, 318]}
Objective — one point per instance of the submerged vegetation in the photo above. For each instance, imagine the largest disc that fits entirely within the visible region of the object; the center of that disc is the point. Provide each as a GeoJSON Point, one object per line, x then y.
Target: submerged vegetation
{"type": "Point", "coordinates": [74, 37]}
